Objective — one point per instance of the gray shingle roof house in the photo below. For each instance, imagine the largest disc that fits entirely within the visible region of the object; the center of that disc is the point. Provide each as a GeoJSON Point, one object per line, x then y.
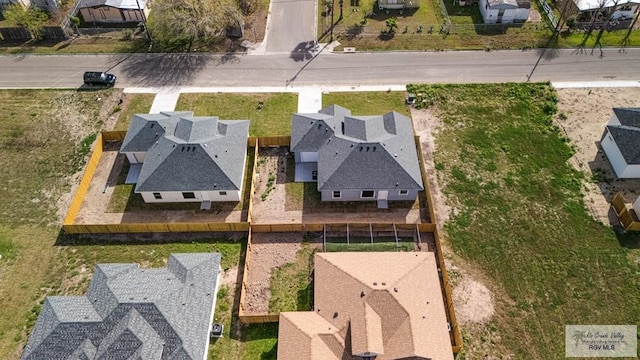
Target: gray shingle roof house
{"type": "Point", "coordinates": [132, 313]}
{"type": "Point", "coordinates": [357, 157]}
{"type": "Point", "coordinates": [621, 142]}
{"type": "Point", "coordinates": [187, 158]}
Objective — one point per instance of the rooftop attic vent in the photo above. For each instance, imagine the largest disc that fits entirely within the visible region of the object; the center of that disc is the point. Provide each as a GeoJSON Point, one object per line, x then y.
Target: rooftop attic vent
{"type": "Point", "coordinates": [152, 126]}
{"type": "Point", "coordinates": [374, 149]}
{"type": "Point", "coordinates": [362, 294]}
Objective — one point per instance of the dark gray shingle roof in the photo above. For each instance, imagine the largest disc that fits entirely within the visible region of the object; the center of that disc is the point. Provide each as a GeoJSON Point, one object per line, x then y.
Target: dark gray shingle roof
{"type": "Point", "coordinates": [130, 312]}
{"type": "Point", "coordinates": [145, 129]}
{"type": "Point", "coordinates": [191, 154]}
{"type": "Point", "coordinates": [359, 152]}
{"type": "Point", "coordinates": [628, 141]}
{"type": "Point", "coordinates": [628, 116]}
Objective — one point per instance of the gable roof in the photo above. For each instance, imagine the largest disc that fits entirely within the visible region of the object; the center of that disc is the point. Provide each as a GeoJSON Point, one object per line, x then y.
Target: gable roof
{"type": "Point", "coordinates": [145, 129]}
{"type": "Point", "coordinates": [359, 152]}
{"type": "Point", "coordinates": [389, 304]}
{"type": "Point", "coordinates": [628, 116]}
{"type": "Point", "coordinates": [120, 4]}
{"type": "Point", "coordinates": [188, 153]}
{"type": "Point", "coordinates": [626, 135]}
{"type": "Point", "coordinates": [129, 312]}
{"type": "Point", "coordinates": [584, 5]}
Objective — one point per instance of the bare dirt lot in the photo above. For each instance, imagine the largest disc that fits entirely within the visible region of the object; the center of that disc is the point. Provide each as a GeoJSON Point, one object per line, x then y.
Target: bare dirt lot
{"type": "Point", "coordinates": [268, 251]}
{"type": "Point", "coordinates": [282, 206]}
{"type": "Point", "coordinates": [93, 209]}
{"type": "Point", "coordinates": [587, 112]}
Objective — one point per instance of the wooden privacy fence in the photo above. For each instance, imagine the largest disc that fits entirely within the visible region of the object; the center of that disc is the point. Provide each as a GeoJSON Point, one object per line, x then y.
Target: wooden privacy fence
{"type": "Point", "coordinates": [113, 135]}
{"type": "Point", "coordinates": [456, 338]}
{"type": "Point", "coordinates": [154, 227]}
{"type": "Point", "coordinates": [425, 181]}
{"type": "Point", "coordinates": [628, 218]}
{"type": "Point", "coordinates": [267, 141]}
{"type": "Point", "coordinates": [252, 186]}
{"type": "Point", "coordinates": [90, 170]}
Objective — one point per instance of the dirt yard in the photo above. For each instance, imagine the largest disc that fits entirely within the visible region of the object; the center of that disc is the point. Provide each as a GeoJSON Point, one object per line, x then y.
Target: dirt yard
{"type": "Point", "coordinates": [101, 189]}
{"type": "Point", "coordinates": [268, 251]}
{"type": "Point", "coordinates": [279, 207]}
{"type": "Point", "coordinates": [587, 112]}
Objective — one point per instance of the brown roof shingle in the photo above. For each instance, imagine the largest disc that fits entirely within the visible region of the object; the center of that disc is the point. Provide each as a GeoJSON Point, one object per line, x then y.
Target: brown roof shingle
{"type": "Point", "coordinates": [384, 304]}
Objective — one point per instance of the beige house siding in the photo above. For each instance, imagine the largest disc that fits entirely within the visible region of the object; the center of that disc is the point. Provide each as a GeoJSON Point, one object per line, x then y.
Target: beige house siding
{"type": "Point", "coordinates": [108, 14]}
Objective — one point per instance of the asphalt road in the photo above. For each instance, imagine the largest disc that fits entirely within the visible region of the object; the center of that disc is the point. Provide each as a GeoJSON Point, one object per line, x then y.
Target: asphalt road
{"type": "Point", "coordinates": [291, 28]}
{"type": "Point", "coordinates": [324, 69]}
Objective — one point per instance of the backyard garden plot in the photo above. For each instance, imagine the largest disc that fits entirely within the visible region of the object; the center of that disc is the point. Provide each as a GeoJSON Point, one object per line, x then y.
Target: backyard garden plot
{"type": "Point", "coordinates": [371, 237]}
{"type": "Point", "coordinates": [278, 272]}
{"type": "Point", "coordinates": [280, 200]}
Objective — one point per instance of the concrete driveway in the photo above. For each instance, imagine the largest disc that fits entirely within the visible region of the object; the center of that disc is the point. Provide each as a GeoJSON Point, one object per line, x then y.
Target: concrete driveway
{"type": "Point", "coordinates": [291, 28]}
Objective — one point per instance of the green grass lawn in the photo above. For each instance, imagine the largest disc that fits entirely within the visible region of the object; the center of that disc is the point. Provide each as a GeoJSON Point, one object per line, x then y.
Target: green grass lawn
{"type": "Point", "coordinates": [521, 220]}
{"type": "Point", "coordinates": [133, 104]}
{"type": "Point", "coordinates": [44, 138]}
{"type": "Point", "coordinates": [368, 103]}
{"type": "Point", "coordinates": [291, 286]}
{"type": "Point", "coordinates": [274, 118]}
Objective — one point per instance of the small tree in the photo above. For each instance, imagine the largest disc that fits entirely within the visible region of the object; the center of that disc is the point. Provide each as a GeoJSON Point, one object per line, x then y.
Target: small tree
{"type": "Point", "coordinates": [30, 18]}
{"type": "Point", "coordinates": [392, 25]}
{"type": "Point", "coordinates": [75, 21]}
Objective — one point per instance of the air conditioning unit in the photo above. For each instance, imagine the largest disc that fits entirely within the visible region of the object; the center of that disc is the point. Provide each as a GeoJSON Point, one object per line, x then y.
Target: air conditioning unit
{"type": "Point", "coordinates": [216, 331]}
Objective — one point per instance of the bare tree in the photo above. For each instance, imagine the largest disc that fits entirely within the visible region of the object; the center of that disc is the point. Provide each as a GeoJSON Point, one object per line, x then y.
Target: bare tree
{"type": "Point", "coordinates": [182, 23]}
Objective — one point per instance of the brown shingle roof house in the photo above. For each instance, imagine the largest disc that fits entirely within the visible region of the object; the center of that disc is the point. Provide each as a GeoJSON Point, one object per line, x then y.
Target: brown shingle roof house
{"type": "Point", "coordinates": [370, 305]}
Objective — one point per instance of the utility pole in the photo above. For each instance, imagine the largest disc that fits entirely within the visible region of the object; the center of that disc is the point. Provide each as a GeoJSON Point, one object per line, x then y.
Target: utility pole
{"type": "Point", "coordinates": [333, 3]}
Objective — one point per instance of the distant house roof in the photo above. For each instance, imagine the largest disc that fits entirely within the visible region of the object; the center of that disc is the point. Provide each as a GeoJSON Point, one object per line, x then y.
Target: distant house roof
{"type": "Point", "coordinates": [188, 153]}
{"type": "Point", "coordinates": [120, 4]}
{"type": "Point", "coordinates": [584, 5]}
{"type": "Point", "coordinates": [509, 4]}
{"type": "Point", "coordinates": [626, 135]}
{"type": "Point", "coordinates": [384, 304]}
{"type": "Point", "coordinates": [129, 312]}
{"type": "Point", "coordinates": [359, 152]}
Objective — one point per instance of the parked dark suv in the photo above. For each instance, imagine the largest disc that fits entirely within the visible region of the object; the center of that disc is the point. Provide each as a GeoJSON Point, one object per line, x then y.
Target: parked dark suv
{"type": "Point", "coordinates": [92, 78]}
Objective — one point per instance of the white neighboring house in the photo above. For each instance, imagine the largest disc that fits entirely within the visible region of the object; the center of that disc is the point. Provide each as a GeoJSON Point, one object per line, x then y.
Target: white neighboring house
{"type": "Point", "coordinates": [46, 5]}
{"type": "Point", "coordinates": [504, 11]}
{"type": "Point", "coordinates": [621, 142]}
{"type": "Point", "coordinates": [113, 11]}
{"type": "Point", "coordinates": [622, 9]}
{"type": "Point", "coordinates": [178, 157]}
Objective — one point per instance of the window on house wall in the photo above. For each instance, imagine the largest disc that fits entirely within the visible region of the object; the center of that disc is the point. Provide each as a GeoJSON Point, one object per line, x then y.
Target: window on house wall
{"type": "Point", "coordinates": [188, 195]}
{"type": "Point", "coordinates": [403, 192]}
{"type": "Point", "coordinates": [367, 193]}
{"type": "Point", "coordinates": [157, 196]}
{"type": "Point", "coordinates": [223, 193]}
{"type": "Point", "coordinates": [337, 195]}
